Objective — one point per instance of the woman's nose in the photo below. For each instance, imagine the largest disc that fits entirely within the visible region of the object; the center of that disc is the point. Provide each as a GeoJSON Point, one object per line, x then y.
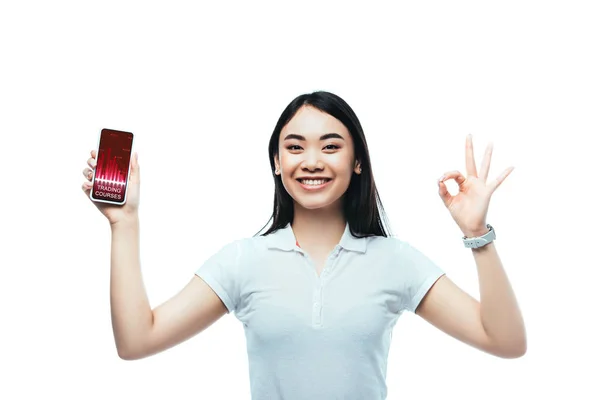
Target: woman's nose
{"type": "Point", "coordinates": [312, 162]}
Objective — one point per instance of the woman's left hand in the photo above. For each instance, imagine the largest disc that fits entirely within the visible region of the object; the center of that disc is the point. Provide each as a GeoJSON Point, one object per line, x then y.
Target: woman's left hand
{"type": "Point", "coordinates": [470, 205]}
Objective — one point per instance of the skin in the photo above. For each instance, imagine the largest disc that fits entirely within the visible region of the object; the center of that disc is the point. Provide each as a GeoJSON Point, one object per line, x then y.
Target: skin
{"type": "Point", "coordinates": [494, 324]}
{"type": "Point", "coordinates": [318, 219]}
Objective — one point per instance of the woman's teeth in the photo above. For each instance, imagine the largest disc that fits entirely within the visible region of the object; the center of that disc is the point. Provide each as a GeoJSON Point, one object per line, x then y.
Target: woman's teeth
{"type": "Point", "coordinates": [313, 182]}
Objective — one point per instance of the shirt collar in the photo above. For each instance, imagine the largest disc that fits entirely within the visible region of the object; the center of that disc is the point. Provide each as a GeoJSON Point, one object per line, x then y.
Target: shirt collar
{"type": "Point", "coordinates": [284, 239]}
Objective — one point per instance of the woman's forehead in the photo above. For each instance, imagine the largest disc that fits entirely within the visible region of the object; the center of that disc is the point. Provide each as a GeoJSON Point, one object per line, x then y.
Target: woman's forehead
{"type": "Point", "coordinates": [312, 123]}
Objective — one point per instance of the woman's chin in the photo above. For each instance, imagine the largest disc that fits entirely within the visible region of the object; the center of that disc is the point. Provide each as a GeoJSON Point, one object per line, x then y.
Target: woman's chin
{"type": "Point", "coordinates": [315, 204]}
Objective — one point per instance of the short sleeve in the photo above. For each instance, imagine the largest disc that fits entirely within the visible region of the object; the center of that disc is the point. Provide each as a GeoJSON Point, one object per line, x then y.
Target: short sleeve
{"type": "Point", "coordinates": [419, 274]}
{"type": "Point", "coordinates": [220, 272]}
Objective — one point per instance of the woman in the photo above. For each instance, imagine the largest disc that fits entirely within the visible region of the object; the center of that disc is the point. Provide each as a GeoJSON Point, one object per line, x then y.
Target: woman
{"type": "Point", "coordinates": [321, 290]}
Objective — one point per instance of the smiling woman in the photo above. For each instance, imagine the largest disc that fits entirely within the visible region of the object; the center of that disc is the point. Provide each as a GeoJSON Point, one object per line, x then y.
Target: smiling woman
{"type": "Point", "coordinates": [319, 137]}
{"type": "Point", "coordinates": [312, 158]}
{"type": "Point", "coordinates": [320, 291]}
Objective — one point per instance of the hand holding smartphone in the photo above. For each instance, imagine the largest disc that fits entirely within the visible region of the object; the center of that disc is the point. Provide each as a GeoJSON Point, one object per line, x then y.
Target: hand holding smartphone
{"type": "Point", "coordinates": [113, 180]}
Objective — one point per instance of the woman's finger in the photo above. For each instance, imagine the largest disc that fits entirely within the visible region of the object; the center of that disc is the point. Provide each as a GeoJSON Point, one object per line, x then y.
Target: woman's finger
{"type": "Point", "coordinates": [485, 163]}
{"type": "Point", "coordinates": [88, 173]}
{"type": "Point", "coordinates": [86, 186]}
{"type": "Point", "coordinates": [444, 194]}
{"type": "Point", "coordinates": [496, 182]}
{"type": "Point", "coordinates": [469, 157]}
{"type": "Point", "coordinates": [456, 175]}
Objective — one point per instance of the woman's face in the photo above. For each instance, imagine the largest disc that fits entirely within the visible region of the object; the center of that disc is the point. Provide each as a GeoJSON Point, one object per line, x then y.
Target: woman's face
{"type": "Point", "coordinates": [316, 158]}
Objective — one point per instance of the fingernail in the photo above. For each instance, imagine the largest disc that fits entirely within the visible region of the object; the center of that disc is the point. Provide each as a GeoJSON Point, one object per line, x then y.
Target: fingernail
{"type": "Point", "coordinates": [441, 178]}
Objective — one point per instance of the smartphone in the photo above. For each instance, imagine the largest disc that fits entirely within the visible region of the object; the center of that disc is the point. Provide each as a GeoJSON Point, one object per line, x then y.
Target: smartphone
{"type": "Point", "coordinates": [113, 165]}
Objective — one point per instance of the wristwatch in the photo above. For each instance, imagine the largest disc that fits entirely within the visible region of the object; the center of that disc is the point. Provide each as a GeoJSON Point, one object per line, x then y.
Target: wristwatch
{"type": "Point", "coordinates": [476, 242]}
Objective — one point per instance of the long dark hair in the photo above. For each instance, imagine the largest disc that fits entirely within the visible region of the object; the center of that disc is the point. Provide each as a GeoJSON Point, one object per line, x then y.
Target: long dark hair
{"type": "Point", "coordinates": [361, 202]}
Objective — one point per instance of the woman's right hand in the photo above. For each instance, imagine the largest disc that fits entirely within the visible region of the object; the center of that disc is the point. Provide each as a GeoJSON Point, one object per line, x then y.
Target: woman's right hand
{"type": "Point", "coordinates": [114, 212]}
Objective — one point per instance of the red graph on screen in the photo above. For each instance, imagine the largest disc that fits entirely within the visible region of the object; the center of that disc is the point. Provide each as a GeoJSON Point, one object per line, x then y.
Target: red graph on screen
{"type": "Point", "coordinates": [110, 174]}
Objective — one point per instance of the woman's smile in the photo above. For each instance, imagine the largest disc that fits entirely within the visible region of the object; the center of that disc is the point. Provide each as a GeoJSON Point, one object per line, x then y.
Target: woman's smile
{"type": "Point", "coordinates": [314, 184]}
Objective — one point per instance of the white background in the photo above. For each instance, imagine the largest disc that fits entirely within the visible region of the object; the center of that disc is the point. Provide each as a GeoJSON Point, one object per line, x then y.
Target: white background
{"type": "Point", "coordinates": [202, 87]}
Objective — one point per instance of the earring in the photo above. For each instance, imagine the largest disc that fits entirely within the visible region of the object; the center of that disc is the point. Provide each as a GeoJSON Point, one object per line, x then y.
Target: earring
{"type": "Point", "coordinates": [276, 171]}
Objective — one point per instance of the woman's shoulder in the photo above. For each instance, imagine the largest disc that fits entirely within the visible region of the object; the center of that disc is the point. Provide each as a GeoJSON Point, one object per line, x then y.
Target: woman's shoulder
{"type": "Point", "coordinates": [386, 243]}
{"type": "Point", "coordinates": [251, 243]}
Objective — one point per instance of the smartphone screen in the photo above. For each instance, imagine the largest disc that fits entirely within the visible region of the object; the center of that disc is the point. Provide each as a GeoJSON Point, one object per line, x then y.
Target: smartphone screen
{"type": "Point", "coordinates": [113, 161]}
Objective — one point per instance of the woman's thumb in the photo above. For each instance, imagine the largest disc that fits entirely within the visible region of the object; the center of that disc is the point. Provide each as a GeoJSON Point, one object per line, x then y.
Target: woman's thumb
{"type": "Point", "coordinates": [135, 168]}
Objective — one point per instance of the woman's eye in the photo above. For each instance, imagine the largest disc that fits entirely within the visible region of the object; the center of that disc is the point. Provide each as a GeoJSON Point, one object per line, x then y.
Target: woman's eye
{"type": "Point", "coordinates": [328, 147]}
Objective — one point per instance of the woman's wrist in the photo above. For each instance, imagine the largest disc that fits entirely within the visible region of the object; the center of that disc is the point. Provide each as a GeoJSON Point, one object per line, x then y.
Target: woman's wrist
{"type": "Point", "coordinates": [471, 233]}
{"type": "Point", "coordinates": [127, 222]}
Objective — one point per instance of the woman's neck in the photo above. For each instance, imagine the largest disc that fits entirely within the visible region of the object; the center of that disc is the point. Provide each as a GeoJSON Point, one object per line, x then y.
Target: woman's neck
{"type": "Point", "coordinates": [318, 228]}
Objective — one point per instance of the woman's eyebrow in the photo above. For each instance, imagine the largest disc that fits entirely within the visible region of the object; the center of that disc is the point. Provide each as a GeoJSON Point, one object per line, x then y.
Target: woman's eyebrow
{"type": "Point", "coordinates": [323, 137]}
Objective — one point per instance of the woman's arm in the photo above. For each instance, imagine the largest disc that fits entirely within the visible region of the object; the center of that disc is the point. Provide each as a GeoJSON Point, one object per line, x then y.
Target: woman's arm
{"type": "Point", "coordinates": [130, 309]}
{"type": "Point", "coordinates": [494, 324]}
{"type": "Point", "coordinates": [139, 331]}
{"type": "Point", "coordinates": [500, 314]}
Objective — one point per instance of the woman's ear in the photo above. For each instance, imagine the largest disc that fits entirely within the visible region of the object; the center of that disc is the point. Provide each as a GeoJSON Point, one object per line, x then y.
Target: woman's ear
{"type": "Point", "coordinates": [277, 169]}
{"type": "Point", "coordinates": [357, 168]}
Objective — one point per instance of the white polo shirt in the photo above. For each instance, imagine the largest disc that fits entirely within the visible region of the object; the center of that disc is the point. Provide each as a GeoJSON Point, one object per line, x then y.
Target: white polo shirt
{"type": "Point", "coordinates": [311, 337]}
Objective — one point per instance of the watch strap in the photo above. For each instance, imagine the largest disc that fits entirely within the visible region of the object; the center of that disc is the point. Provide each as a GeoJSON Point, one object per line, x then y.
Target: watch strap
{"type": "Point", "coordinates": [480, 241]}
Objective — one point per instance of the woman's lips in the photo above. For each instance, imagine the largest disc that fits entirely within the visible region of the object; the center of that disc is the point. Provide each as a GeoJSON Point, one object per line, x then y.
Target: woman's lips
{"type": "Point", "coordinates": [315, 187]}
